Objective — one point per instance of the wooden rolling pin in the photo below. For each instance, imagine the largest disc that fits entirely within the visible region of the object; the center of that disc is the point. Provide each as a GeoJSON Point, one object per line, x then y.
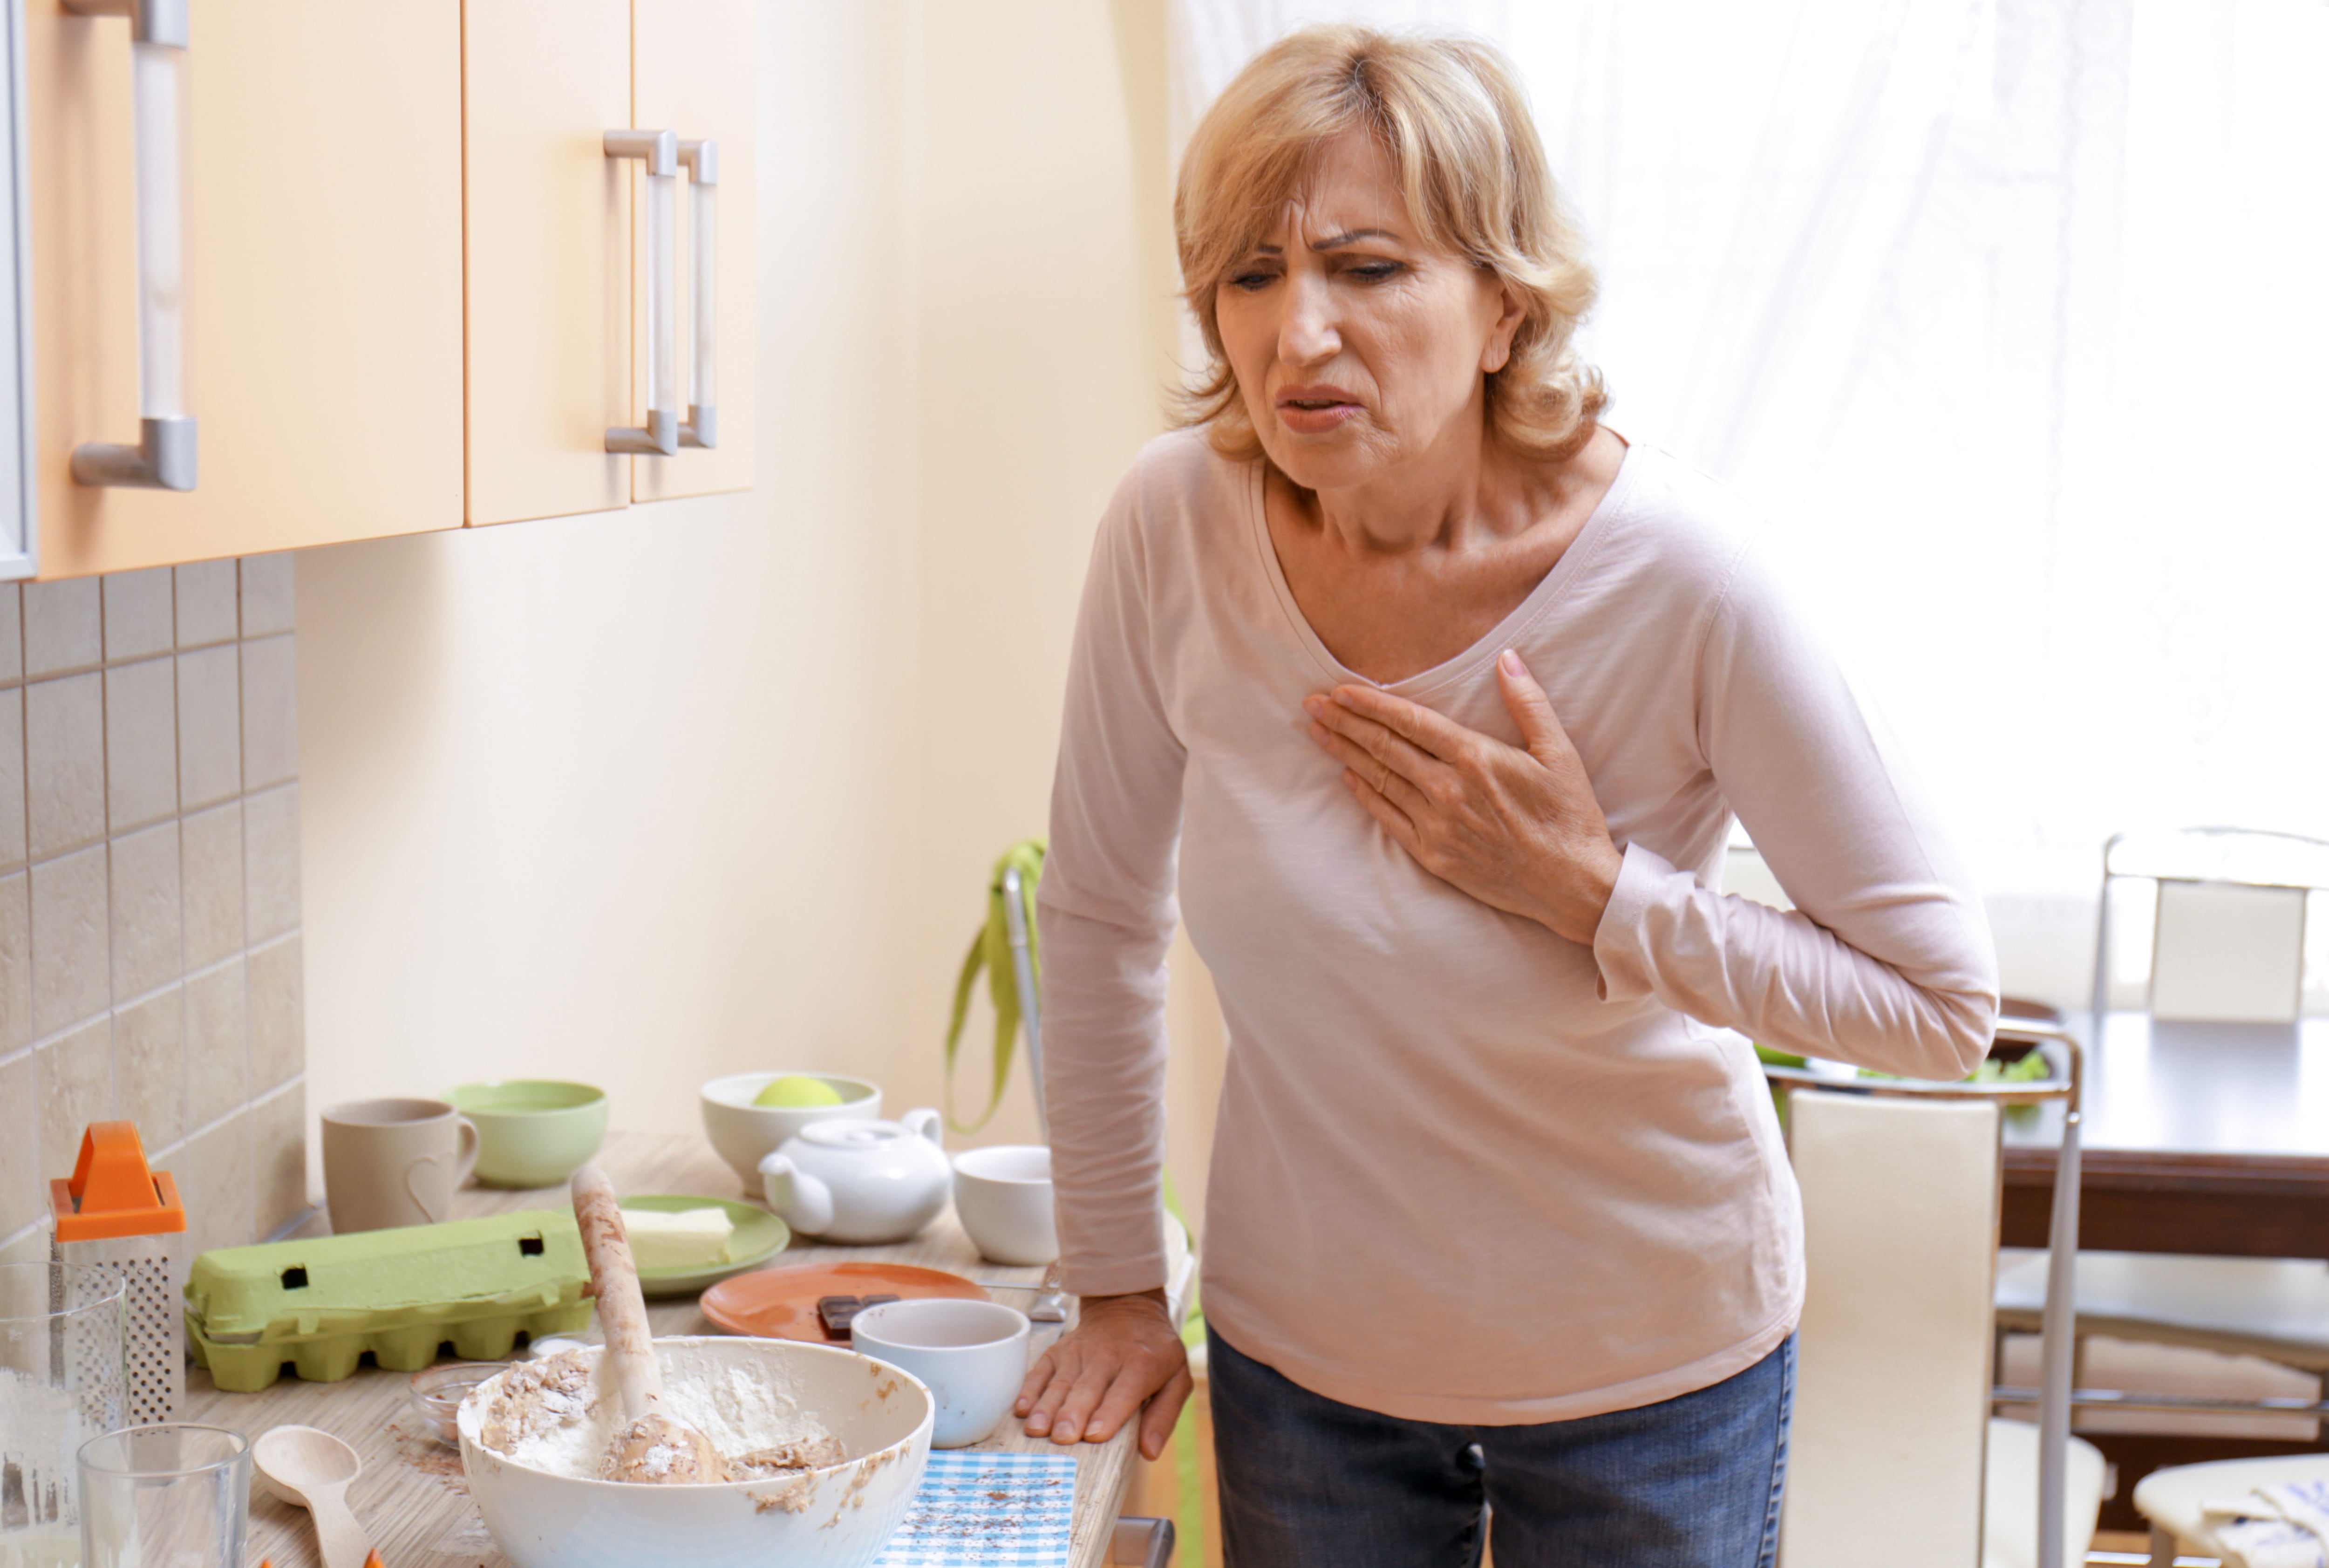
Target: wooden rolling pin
{"type": "Point", "coordinates": [652, 1447]}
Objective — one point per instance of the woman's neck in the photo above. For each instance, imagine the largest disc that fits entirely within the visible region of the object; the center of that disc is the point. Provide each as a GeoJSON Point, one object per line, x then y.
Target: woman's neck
{"type": "Point", "coordinates": [1466, 491]}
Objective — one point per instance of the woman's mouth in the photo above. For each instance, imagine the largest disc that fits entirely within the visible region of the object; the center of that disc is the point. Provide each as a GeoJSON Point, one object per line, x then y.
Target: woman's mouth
{"type": "Point", "coordinates": [1312, 410]}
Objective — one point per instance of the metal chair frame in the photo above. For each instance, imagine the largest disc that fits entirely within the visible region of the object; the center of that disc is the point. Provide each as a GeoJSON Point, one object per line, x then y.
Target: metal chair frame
{"type": "Point", "coordinates": [2206, 843]}
{"type": "Point", "coordinates": [2057, 1340]}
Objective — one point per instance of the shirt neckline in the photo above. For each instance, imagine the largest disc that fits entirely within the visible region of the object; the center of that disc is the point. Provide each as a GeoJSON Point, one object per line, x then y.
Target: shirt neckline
{"type": "Point", "coordinates": [1505, 634]}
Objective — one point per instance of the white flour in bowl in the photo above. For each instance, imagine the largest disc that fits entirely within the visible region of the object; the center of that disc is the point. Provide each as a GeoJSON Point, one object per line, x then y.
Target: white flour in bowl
{"type": "Point", "coordinates": [554, 1415]}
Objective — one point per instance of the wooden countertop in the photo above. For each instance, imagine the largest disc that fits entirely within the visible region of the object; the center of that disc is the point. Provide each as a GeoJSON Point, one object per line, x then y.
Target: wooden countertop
{"type": "Point", "coordinates": [411, 1496]}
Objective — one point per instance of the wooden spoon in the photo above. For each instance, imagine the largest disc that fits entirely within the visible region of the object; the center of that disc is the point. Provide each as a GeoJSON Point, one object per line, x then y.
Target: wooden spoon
{"type": "Point", "coordinates": [652, 1447]}
{"type": "Point", "coordinates": [310, 1469]}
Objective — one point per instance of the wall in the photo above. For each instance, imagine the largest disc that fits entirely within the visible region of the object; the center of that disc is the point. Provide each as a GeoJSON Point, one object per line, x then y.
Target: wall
{"type": "Point", "coordinates": [1038, 185]}
{"type": "Point", "coordinates": [149, 888]}
{"type": "Point", "coordinates": [714, 784]}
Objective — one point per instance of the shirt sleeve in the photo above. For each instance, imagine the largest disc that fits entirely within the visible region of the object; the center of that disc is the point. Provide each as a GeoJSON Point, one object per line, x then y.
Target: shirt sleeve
{"type": "Point", "coordinates": [1886, 960]}
{"type": "Point", "coordinates": [1107, 917]}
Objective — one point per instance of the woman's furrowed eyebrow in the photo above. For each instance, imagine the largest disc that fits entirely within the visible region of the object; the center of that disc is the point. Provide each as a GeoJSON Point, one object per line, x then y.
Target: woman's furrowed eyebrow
{"type": "Point", "coordinates": [1351, 238]}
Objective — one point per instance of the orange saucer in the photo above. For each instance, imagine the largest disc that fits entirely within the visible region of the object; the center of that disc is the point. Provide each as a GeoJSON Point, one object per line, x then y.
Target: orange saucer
{"type": "Point", "coordinates": [781, 1303]}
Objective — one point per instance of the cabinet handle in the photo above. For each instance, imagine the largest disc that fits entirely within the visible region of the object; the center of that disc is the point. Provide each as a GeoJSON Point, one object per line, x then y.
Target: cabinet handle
{"type": "Point", "coordinates": [164, 456]}
{"type": "Point", "coordinates": [659, 437]}
{"type": "Point", "coordinates": [702, 161]}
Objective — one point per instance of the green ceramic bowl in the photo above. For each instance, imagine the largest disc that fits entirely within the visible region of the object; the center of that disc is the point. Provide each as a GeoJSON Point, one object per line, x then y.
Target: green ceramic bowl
{"type": "Point", "coordinates": [531, 1132]}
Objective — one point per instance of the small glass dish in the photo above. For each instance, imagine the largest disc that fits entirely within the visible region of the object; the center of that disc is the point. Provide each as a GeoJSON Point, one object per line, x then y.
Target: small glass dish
{"type": "Point", "coordinates": [436, 1393]}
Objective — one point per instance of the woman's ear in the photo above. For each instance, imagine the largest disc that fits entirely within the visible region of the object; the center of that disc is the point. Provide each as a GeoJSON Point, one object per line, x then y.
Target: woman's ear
{"type": "Point", "coordinates": [1498, 351]}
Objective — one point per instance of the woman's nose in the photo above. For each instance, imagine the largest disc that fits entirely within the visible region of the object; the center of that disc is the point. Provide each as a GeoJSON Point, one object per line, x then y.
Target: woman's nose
{"type": "Point", "coordinates": [1306, 335]}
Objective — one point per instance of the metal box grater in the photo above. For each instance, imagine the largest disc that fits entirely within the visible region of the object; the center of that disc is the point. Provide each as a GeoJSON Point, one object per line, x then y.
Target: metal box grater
{"type": "Point", "coordinates": [117, 1213]}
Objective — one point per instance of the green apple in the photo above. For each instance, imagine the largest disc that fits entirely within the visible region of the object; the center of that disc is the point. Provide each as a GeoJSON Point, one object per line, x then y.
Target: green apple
{"type": "Point", "coordinates": [798, 1091]}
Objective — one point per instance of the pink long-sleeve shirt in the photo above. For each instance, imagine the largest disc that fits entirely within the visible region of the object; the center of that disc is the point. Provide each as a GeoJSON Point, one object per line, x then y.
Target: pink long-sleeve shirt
{"type": "Point", "coordinates": [1466, 1170]}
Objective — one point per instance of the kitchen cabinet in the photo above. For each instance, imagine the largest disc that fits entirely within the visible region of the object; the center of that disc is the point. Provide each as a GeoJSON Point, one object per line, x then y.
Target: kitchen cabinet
{"type": "Point", "coordinates": [692, 67]}
{"type": "Point", "coordinates": [332, 273]}
{"type": "Point", "coordinates": [582, 276]}
{"type": "Point", "coordinates": [316, 156]}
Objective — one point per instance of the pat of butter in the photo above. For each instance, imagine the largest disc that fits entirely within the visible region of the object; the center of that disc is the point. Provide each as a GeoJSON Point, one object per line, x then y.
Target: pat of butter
{"type": "Point", "coordinates": [691, 1239]}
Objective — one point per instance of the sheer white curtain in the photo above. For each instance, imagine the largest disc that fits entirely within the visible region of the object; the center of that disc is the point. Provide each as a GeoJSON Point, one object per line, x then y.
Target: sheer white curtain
{"type": "Point", "coordinates": [2011, 314]}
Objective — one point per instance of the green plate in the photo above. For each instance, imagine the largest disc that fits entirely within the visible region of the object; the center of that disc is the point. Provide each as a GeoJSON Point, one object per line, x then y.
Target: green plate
{"type": "Point", "coordinates": [759, 1236]}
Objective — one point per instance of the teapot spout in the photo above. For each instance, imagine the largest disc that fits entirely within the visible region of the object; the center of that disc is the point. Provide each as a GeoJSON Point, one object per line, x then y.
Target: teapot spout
{"type": "Point", "coordinates": [926, 1123]}
{"type": "Point", "coordinates": [799, 1199]}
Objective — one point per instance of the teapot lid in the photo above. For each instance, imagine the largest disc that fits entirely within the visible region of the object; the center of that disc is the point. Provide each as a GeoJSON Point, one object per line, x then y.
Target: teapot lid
{"type": "Point", "coordinates": [851, 1133]}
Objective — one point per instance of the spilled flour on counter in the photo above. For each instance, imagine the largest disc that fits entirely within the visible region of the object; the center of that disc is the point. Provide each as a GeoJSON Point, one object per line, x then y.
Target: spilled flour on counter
{"type": "Point", "coordinates": [556, 1415]}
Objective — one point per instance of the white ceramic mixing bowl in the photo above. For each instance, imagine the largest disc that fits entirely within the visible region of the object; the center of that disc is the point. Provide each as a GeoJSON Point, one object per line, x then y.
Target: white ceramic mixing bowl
{"type": "Point", "coordinates": [838, 1517]}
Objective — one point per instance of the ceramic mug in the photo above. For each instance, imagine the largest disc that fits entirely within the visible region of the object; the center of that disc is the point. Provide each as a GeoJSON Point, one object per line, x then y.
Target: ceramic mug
{"type": "Point", "coordinates": [394, 1162]}
{"type": "Point", "coordinates": [973, 1355]}
{"type": "Point", "coordinates": [1003, 1195]}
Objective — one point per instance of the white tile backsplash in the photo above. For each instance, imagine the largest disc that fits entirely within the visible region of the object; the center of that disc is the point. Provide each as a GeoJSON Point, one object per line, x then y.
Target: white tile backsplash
{"type": "Point", "coordinates": [11, 632]}
{"type": "Point", "coordinates": [64, 762]}
{"type": "Point", "coordinates": [149, 1061]}
{"type": "Point", "coordinates": [218, 1042]}
{"type": "Point", "coordinates": [71, 935]}
{"type": "Point", "coordinates": [16, 962]}
{"type": "Point", "coordinates": [270, 711]}
{"type": "Point", "coordinates": [141, 743]}
{"type": "Point", "coordinates": [12, 775]}
{"type": "Point", "coordinates": [75, 1072]}
{"type": "Point", "coordinates": [137, 614]}
{"type": "Point", "coordinates": [270, 839]}
{"type": "Point", "coordinates": [146, 912]}
{"type": "Point", "coordinates": [268, 589]}
{"type": "Point", "coordinates": [64, 626]}
{"type": "Point", "coordinates": [206, 603]}
{"type": "Point", "coordinates": [20, 1142]}
{"type": "Point", "coordinates": [210, 727]}
{"type": "Point", "coordinates": [210, 847]}
{"type": "Point", "coordinates": [149, 888]}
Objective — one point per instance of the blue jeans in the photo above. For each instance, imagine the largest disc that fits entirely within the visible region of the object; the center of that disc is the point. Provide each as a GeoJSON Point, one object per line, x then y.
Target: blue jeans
{"type": "Point", "coordinates": [1689, 1482]}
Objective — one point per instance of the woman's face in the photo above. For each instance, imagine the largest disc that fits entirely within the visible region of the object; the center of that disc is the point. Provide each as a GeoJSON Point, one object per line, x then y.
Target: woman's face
{"type": "Point", "coordinates": [1356, 348]}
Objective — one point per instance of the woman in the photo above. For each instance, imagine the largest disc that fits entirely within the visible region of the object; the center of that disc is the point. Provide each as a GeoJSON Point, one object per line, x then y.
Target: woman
{"type": "Point", "coordinates": [1442, 697]}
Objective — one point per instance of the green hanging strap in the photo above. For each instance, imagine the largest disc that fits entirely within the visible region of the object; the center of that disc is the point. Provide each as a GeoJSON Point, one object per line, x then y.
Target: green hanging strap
{"type": "Point", "coordinates": [990, 950]}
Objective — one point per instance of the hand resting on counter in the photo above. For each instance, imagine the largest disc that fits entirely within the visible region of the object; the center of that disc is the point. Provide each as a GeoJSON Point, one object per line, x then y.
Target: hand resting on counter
{"type": "Point", "coordinates": [1122, 1355]}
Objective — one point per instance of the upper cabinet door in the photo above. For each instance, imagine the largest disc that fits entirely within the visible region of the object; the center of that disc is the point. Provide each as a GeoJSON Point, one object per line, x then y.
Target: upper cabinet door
{"type": "Point", "coordinates": [691, 72]}
{"type": "Point", "coordinates": [550, 256]}
{"type": "Point", "coordinates": [319, 152]}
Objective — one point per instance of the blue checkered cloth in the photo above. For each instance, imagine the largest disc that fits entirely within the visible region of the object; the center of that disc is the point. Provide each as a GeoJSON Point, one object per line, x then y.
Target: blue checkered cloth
{"type": "Point", "coordinates": [976, 1510]}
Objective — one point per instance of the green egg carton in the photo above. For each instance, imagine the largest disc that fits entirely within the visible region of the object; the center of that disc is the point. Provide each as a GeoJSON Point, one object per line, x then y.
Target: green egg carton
{"type": "Point", "coordinates": [401, 1294]}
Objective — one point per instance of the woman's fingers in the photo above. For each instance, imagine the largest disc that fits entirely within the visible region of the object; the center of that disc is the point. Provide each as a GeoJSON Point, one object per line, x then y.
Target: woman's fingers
{"type": "Point", "coordinates": [1413, 722]}
{"type": "Point", "coordinates": [1102, 1397]}
{"type": "Point", "coordinates": [1031, 1387]}
{"type": "Point", "coordinates": [1156, 1420]}
{"type": "Point", "coordinates": [1532, 710]}
{"type": "Point", "coordinates": [1119, 1404]}
{"type": "Point", "coordinates": [1383, 776]}
{"type": "Point", "coordinates": [1369, 747]}
{"type": "Point", "coordinates": [1394, 821]}
{"type": "Point", "coordinates": [1045, 1415]}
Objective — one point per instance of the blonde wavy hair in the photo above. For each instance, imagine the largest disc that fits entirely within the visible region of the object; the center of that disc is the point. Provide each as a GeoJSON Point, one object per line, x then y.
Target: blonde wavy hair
{"type": "Point", "coordinates": [1451, 115]}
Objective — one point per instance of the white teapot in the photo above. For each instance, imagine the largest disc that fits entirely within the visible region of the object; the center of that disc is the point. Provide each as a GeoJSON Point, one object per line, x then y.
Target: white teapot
{"type": "Point", "coordinates": [850, 1179]}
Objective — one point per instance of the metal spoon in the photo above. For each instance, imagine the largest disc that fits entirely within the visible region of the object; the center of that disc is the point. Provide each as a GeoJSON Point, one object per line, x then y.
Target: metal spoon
{"type": "Point", "coordinates": [310, 1469]}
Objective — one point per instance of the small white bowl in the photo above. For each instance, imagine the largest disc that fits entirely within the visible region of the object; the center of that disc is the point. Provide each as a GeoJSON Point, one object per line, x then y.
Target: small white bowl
{"type": "Point", "coordinates": [836, 1517]}
{"type": "Point", "coordinates": [971, 1354]}
{"type": "Point", "coordinates": [744, 1133]}
{"type": "Point", "coordinates": [1003, 1195]}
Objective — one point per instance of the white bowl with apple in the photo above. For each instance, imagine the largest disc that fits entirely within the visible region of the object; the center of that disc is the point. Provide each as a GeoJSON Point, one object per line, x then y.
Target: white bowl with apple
{"type": "Point", "coordinates": [748, 1116]}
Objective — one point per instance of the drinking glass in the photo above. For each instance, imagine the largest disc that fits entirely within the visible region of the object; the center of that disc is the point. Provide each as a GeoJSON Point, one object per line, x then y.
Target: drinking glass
{"type": "Point", "coordinates": [62, 1381]}
{"type": "Point", "coordinates": [173, 1495]}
